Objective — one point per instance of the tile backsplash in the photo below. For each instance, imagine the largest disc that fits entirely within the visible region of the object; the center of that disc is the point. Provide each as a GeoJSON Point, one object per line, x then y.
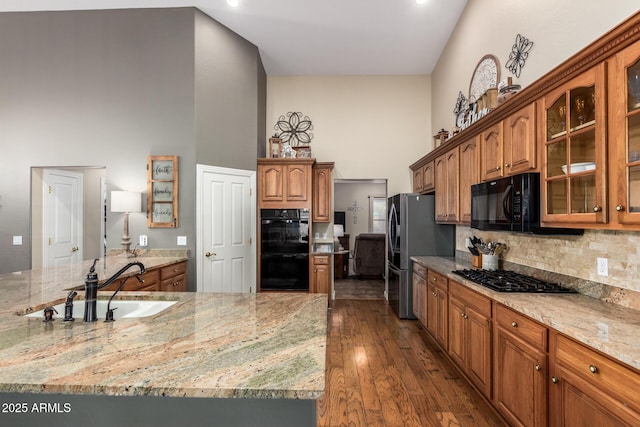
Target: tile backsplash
{"type": "Point", "coordinates": [576, 256]}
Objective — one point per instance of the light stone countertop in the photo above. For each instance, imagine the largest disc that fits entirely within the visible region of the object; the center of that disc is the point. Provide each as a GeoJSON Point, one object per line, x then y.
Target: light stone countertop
{"type": "Point", "coordinates": [268, 345]}
{"type": "Point", "coordinates": [614, 330]}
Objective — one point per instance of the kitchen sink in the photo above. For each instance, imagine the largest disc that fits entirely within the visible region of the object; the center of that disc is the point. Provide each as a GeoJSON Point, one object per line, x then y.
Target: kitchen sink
{"type": "Point", "coordinates": [125, 309]}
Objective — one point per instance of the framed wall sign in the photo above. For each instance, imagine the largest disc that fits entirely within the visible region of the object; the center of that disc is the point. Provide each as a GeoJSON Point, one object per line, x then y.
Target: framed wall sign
{"type": "Point", "coordinates": [162, 191]}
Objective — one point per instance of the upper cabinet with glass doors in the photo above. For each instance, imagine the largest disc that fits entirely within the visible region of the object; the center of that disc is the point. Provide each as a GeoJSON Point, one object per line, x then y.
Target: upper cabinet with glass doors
{"type": "Point", "coordinates": [625, 137]}
{"type": "Point", "coordinates": [573, 181]}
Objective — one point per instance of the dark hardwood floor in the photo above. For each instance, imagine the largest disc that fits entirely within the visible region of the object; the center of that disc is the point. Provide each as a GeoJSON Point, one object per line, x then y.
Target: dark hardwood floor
{"type": "Point", "coordinates": [353, 288]}
{"type": "Point", "coordinates": [381, 371]}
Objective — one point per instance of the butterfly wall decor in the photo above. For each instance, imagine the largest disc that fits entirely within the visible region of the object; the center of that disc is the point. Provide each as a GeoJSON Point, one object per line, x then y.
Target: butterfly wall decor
{"type": "Point", "coordinates": [519, 54]}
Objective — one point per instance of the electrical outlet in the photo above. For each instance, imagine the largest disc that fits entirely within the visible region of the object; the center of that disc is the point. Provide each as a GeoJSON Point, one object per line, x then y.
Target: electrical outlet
{"type": "Point", "coordinates": [603, 267]}
{"type": "Point", "coordinates": [182, 240]}
{"type": "Point", "coordinates": [143, 240]}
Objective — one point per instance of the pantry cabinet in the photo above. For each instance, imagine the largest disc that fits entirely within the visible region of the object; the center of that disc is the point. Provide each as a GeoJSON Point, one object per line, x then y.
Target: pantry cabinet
{"type": "Point", "coordinates": [446, 177]}
{"type": "Point", "coordinates": [285, 183]}
{"type": "Point", "coordinates": [520, 368]}
{"type": "Point", "coordinates": [589, 389]}
{"type": "Point", "coordinates": [470, 334]}
{"type": "Point", "coordinates": [322, 192]}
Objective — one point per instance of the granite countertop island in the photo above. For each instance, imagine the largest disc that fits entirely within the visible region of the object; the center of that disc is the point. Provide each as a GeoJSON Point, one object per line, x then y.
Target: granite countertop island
{"type": "Point", "coordinates": [268, 349]}
{"type": "Point", "coordinates": [614, 330]}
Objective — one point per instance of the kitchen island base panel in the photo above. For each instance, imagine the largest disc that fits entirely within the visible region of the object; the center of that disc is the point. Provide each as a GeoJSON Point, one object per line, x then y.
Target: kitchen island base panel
{"type": "Point", "coordinates": [53, 410]}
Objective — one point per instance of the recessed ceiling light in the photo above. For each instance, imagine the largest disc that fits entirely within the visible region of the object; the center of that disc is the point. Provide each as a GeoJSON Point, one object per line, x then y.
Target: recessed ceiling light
{"type": "Point", "coordinates": [235, 3]}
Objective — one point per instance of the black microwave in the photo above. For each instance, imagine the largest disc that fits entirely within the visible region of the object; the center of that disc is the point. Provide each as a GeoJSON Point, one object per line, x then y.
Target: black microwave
{"type": "Point", "coordinates": [510, 204]}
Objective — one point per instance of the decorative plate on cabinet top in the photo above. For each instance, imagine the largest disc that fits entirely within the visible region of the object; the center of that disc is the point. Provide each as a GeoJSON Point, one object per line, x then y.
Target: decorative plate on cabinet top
{"type": "Point", "coordinates": [485, 76]}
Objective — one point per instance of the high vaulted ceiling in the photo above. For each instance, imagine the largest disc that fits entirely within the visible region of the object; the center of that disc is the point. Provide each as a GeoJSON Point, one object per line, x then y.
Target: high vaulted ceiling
{"type": "Point", "coordinates": [316, 37]}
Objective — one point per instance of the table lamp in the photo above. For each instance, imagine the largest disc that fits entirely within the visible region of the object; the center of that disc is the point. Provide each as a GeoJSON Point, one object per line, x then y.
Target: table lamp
{"type": "Point", "coordinates": [338, 231]}
{"type": "Point", "coordinates": [127, 202]}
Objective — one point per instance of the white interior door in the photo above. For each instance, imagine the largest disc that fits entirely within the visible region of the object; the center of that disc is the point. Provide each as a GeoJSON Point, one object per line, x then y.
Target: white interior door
{"type": "Point", "coordinates": [226, 218]}
{"type": "Point", "coordinates": [62, 217]}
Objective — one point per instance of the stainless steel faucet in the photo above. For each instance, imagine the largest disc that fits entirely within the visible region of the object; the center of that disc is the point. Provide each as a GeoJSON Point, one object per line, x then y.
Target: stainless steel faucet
{"type": "Point", "coordinates": [91, 288]}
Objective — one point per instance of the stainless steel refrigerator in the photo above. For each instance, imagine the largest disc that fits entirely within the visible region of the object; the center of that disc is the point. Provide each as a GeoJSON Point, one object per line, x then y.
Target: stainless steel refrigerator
{"type": "Point", "coordinates": [412, 232]}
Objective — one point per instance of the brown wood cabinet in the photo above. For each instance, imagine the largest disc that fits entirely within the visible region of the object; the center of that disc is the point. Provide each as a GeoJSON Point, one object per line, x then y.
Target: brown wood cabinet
{"type": "Point", "coordinates": [470, 334]}
{"type": "Point", "coordinates": [322, 192]}
{"type": "Point", "coordinates": [419, 292]}
{"type": "Point", "coordinates": [574, 169]}
{"type": "Point", "coordinates": [424, 178]}
{"type": "Point", "coordinates": [520, 368]}
{"type": "Point", "coordinates": [437, 308]}
{"type": "Point", "coordinates": [446, 177]}
{"type": "Point", "coordinates": [285, 183]}
{"type": "Point", "coordinates": [589, 389]}
{"type": "Point", "coordinates": [320, 280]}
{"type": "Point", "coordinates": [624, 137]}
{"type": "Point", "coordinates": [173, 278]}
{"type": "Point", "coordinates": [520, 149]}
{"type": "Point", "coordinates": [156, 279]}
{"type": "Point", "coordinates": [469, 175]}
{"type": "Point", "coordinates": [491, 153]}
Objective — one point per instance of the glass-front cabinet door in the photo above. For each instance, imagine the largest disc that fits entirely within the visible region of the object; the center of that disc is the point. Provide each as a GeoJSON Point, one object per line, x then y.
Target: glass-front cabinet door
{"type": "Point", "coordinates": [626, 137]}
{"type": "Point", "coordinates": [573, 180]}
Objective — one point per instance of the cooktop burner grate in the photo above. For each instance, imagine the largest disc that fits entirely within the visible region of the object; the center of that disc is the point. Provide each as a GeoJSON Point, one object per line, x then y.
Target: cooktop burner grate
{"type": "Point", "coordinates": [510, 281]}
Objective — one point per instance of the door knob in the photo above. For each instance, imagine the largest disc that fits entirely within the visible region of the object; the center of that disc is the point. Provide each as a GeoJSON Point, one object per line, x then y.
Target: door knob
{"type": "Point", "coordinates": [75, 249]}
{"type": "Point", "coordinates": [619, 208]}
{"type": "Point", "coordinates": [209, 254]}
{"type": "Point", "coordinates": [597, 208]}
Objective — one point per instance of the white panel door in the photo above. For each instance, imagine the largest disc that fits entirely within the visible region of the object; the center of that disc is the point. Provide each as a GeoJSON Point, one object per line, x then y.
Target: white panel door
{"type": "Point", "coordinates": [62, 217]}
{"type": "Point", "coordinates": [226, 228]}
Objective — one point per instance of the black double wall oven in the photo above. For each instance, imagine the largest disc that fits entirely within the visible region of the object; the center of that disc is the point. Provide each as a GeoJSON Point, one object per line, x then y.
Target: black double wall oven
{"type": "Point", "coordinates": [284, 250]}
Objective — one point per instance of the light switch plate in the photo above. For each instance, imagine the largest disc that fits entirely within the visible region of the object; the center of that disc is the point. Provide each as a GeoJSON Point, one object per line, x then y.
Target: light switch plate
{"type": "Point", "coordinates": [182, 240]}
{"type": "Point", "coordinates": [17, 240]}
{"type": "Point", "coordinates": [143, 240]}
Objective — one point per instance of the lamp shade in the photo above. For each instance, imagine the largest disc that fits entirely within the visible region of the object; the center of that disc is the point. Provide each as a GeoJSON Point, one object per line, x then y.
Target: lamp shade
{"type": "Point", "coordinates": [126, 201]}
{"type": "Point", "coordinates": [338, 230]}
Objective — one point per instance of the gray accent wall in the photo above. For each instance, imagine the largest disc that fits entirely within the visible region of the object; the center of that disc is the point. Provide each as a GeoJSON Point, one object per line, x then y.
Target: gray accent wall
{"type": "Point", "coordinates": [108, 88]}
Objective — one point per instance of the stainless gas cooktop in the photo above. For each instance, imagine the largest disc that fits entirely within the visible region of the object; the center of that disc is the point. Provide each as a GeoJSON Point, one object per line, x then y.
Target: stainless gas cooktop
{"type": "Point", "coordinates": [510, 281]}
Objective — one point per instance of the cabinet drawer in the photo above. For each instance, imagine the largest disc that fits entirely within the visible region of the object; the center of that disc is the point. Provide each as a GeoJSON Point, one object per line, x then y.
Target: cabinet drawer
{"type": "Point", "coordinates": [522, 327]}
{"type": "Point", "coordinates": [438, 280]}
{"type": "Point", "coordinates": [174, 284]}
{"type": "Point", "coordinates": [320, 259]}
{"type": "Point", "coordinates": [480, 303]}
{"type": "Point", "coordinates": [420, 270]}
{"type": "Point", "coordinates": [606, 375]}
{"type": "Point", "coordinates": [173, 270]}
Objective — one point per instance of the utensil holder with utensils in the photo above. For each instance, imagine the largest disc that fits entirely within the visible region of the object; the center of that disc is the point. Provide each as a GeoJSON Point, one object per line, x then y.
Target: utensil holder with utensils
{"type": "Point", "coordinates": [489, 262]}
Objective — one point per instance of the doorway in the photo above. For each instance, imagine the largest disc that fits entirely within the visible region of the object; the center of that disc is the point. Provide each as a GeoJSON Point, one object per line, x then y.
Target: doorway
{"type": "Point", "coordinates": [89, 236]}
{"type": "Point", "coordinates": [225, 229]}
{"type": "Point", "coordinates": [357, 204]}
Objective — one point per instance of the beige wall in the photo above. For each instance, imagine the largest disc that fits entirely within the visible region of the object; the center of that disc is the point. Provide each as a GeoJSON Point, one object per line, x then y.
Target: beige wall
{"type": "Point", "coordinates": [372, 127]}
{"type": "Point", "coordinates": [558, 30]}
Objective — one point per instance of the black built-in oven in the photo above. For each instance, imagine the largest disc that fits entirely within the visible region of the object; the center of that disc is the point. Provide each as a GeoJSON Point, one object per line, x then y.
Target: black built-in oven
{"type": "Point", "coordinates": [284, 249]}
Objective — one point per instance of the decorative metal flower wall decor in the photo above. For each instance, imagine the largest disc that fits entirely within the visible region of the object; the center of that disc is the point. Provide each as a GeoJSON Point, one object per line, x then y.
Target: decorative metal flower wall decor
{"type": "Point", "coordinates": [294, 129]}
{"type": "Point", "coordinates": [518, 55]}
